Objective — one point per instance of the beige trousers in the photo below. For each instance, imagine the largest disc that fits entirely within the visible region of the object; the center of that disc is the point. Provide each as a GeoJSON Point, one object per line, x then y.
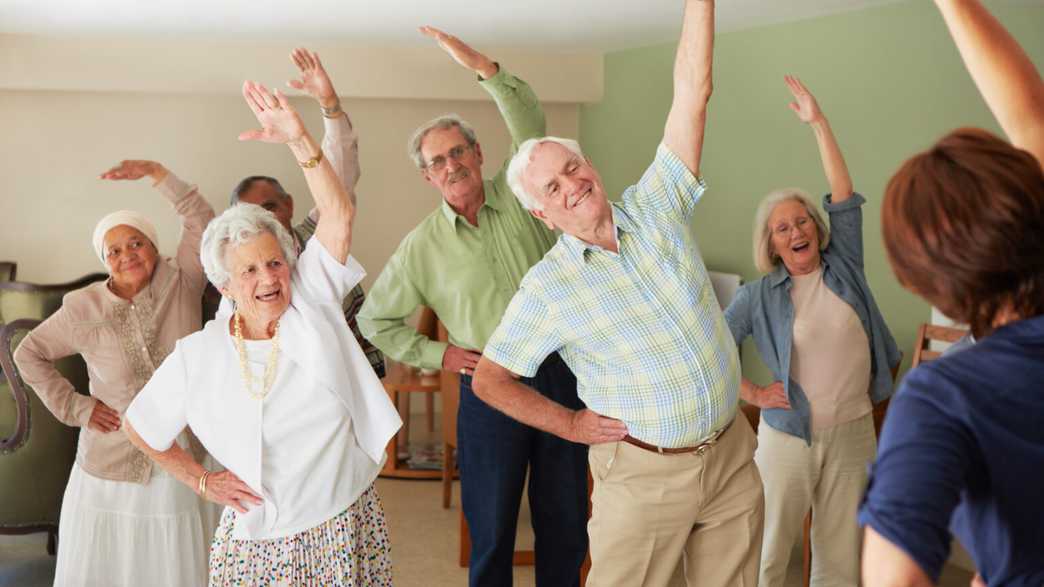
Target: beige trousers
{"type": "Point", "coordinates": [651, 511]}
{"type": "Point", "coordinates": [830, 477]}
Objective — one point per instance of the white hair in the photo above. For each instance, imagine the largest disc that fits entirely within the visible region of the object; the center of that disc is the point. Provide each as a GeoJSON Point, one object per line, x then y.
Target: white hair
{"type": "Point", "coordinates": [237, 225]}
{"type": "Point", "coordinates": [446, 121]}
{"type": "Point", "coordinates": [765, 258]}
{"type": "Point", "coordinates": [520, 162]}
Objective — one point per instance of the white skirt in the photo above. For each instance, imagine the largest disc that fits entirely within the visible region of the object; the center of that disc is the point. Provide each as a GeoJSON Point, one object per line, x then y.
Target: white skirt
{"type": "Point", "coordinates": [116, 533]}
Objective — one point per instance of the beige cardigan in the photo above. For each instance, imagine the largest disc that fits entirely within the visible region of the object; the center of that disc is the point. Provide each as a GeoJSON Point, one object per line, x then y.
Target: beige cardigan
{"type": "Point", "coordinates": [121, 341]}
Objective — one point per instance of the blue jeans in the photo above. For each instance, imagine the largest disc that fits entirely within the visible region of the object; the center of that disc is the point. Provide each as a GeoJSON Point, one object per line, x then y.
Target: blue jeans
{"type": "Point", "coordinates": [494, 452]}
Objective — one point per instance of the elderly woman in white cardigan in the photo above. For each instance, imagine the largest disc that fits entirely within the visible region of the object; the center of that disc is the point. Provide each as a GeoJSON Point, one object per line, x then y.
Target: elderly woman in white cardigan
{"type": "Point", "coordinates": [301, 430]}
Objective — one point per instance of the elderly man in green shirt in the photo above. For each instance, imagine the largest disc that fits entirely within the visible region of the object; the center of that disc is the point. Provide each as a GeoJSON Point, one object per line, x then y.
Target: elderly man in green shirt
{"type": "Point", "coordinates": [465, 261]}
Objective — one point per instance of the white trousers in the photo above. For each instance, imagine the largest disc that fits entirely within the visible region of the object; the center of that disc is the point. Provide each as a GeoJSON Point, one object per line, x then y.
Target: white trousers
{"type": "Point", "coordinates": [829, 476]}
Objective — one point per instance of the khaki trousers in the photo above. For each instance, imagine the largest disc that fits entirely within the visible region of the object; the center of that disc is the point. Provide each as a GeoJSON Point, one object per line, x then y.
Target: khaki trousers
{"type": "Point", "coordinates": [651, 511]}
{"type": "Point", "coordinates": [829, 476]}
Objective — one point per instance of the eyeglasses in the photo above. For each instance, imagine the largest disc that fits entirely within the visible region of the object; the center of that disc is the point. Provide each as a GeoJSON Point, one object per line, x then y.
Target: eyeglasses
{"type": "Point", "coordinates": [438, 163]}
{"type": "Point", "coordinates": [799, 223]}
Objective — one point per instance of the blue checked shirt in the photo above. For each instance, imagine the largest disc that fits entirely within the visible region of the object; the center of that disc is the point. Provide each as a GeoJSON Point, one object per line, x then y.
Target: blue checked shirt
{"type": "Point", "coordinates": [642, 329]}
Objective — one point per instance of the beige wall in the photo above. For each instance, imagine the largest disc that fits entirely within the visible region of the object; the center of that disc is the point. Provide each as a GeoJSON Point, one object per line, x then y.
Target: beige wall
{"type": "Point", "coordinates": [54, 144]}
{"type": "Point", "coordinates": [74, 107]}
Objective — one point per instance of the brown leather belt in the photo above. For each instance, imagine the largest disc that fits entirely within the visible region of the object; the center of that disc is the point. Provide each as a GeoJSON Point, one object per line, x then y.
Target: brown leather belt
{"type": "Point", "coordinates": [699, 448]}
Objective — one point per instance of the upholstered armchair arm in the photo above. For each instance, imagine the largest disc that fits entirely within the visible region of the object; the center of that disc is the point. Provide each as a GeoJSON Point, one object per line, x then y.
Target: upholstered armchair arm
{"type": "Point", "coordinates": [15, 384]}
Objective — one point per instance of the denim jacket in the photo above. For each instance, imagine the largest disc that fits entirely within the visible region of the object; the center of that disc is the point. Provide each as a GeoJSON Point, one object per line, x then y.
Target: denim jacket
{"type": "Point", "coordinates": [763, 309]}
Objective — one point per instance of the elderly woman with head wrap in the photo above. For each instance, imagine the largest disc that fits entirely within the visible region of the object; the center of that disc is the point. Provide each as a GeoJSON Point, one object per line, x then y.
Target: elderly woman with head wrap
{"type": "Point", "coordinates": [962, 449]}
{"type": "Point", "coordinates": [280, 392]}
{"type": "Point", "coordinates": [817, 327]}
{"type": "Point", "coordinates": [121, 517]}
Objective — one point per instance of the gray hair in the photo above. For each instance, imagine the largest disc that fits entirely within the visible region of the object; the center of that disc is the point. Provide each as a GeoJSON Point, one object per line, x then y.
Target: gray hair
{"type": "Point", "coordinates": [766, 259]}
{"type": "Point", "coordinates": [446, 121]}
{"type": "Point", "coordinates": [235, 226]}
{"type": "Point", "coordinates": [520, 162]}
{"type": "Point", "coordinates": [245, 184]}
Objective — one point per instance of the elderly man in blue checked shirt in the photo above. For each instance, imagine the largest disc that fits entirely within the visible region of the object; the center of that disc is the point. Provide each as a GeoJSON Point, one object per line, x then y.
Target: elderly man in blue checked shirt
{"type": "Point", "coordinates": [625, 299]}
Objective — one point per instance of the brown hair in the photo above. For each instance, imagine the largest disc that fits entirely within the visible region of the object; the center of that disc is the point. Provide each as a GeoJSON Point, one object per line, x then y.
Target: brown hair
{"type": "Point", "coordinates": [963, 225]}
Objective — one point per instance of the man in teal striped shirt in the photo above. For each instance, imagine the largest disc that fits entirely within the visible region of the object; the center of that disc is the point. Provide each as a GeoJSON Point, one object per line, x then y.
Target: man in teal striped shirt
{"type": "Point", "coordinates": [465, 261]}
{"type": "Point", "coordinates": [626, 301]}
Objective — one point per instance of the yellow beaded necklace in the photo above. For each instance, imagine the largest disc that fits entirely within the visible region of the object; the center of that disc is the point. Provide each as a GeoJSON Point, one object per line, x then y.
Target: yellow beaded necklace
{"type": "Point", "coordinates": [270, 366]}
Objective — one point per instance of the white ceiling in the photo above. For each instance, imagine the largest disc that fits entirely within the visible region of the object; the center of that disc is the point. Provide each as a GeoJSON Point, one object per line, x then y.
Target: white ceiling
{"type": "Point", "coordinates": [597, 25]}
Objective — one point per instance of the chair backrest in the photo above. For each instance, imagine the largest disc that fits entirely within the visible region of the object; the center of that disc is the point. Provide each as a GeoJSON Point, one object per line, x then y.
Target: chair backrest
{"type": "Point", "coordinates": [8, 270]}
{"type": "Point", "coordinates": [36, 450]}
{"type": "Point", "coordinates": [30, 300]}
{"type": "Point", "coordinates": [429, 325]}
{"type": "Point", "coordinates": [449, 389]}
{"type": "Point", "coordinates": [926, 334]}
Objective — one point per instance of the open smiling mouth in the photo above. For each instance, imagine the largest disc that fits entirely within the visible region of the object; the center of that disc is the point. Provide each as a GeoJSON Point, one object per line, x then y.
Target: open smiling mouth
{"type": "Point", "coordinates": [268, 297]}
{"type": "Point", "coordinates": [799, 248]}
{"type": "Point", "coordinates": [581, 199]}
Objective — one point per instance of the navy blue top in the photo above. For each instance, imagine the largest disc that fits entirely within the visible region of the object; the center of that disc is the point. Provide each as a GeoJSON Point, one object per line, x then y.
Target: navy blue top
{"type": "Point", "coordinates": [763, 308]}
{"type": "Point", "coordinates": [962, 451]}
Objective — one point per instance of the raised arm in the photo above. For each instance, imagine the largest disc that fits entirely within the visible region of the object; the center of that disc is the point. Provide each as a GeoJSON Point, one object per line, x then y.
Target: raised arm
{"type": "Point", "coordinates": [188, 203]}
{"type": "Point", "coordinates": [340, 143]}
{"type": "Point", "coordinates": [807, 110]}
{"type": "Point", "coordinates": [1006, 77]}
{"type": "Point", "coordinates": [280, 123]}
{"type": "Point", "coordinates": [683, 134]}
{"type": "Point", "coordinates": [518, 105]}
{"type": "Point", "coordinates": [462, 53]}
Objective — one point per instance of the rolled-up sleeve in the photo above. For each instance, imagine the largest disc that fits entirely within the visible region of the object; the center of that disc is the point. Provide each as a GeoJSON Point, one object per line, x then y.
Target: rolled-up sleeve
{"type": "Point", "coordinates": [158, 412]}
{"type": "Point", "coordinates": [737, 315]}
{"type": "Point", "coordinates": [846, 227]}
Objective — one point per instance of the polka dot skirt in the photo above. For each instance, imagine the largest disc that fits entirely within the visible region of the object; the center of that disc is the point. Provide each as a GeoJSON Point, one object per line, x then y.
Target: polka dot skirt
{"type": "Point", "coordinates": [350, 549]}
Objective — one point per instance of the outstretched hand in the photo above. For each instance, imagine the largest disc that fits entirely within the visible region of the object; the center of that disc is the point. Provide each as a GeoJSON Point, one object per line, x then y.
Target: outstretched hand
{"type": "Point", "coordinates": [461, 52]}
{"type": "Point", "coordinates": [804, 104]}
{"type": "Point", "coordinates": [314, 80]}
{"type": "Point", "coordinates": [135, 169]}
{"type": "Point", "coordinates": [280, 123]}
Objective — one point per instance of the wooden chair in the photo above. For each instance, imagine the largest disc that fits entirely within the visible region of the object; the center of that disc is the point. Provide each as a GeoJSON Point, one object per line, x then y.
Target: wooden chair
{"type": "Point", "coordinates": [450, 393]}
{"type": "Point", "coordinates": [931, 332]}
{"type": "Point", "coordinates": [753, 415]}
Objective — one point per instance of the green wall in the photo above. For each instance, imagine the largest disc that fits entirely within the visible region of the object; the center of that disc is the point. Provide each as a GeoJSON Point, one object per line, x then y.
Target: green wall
{"type": "Point", "coordinates": [889, 79]}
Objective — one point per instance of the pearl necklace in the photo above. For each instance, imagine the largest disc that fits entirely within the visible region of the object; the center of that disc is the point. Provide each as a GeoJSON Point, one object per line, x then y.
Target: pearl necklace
{"type": "Point", "coordinates": [270, 366]}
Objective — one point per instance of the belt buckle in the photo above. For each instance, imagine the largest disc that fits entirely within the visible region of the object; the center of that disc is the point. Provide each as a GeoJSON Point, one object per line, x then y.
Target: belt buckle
{"type": "Point", "coordinates": [706, 445]}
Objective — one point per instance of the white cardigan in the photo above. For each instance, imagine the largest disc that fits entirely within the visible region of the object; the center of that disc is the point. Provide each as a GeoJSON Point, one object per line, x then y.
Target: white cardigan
{"type": "Point", "coordinates": [200, 384]}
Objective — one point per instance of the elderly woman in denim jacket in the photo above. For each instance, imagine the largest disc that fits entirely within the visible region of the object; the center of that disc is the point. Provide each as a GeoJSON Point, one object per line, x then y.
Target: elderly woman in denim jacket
{"type": "Point", "coordinates": [817, 327]}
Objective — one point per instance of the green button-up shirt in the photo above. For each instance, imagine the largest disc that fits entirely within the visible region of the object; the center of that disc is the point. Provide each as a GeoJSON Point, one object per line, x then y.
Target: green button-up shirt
{"type": "Point", "coordinates": [466, 274]}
